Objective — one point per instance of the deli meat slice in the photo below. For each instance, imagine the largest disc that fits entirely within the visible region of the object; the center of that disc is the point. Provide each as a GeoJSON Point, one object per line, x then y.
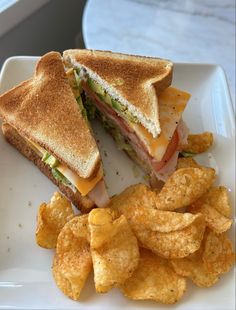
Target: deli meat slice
{"type": "Point", "coordinates": [99, 194]}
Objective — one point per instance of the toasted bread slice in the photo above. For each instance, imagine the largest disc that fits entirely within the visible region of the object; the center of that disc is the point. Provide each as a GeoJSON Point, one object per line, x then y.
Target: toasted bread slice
{"type": "Point", "coordinates": [84, 204]}
{"type": "Point", "coordinates": [133, 80]}
{"type": "Point", "coordinates": [44, 110]}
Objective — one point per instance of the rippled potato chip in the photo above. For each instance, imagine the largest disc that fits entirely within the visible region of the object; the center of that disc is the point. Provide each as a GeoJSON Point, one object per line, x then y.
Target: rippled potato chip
{"type": "Point", "coordinates": [218, 255]}
{"type": "Point", "coordinates": [187, 162]}
{"type": "Point", "coordinates": [183, 187]}
{"type": "Point", "coordinates": [214, 205]}
{"type": "Point", "coordinates": [168, 234]}
{"type": "Point", "coordinates": [114, 248]}
{"type": "Point", "coordinates": [214, 220]}
{"type": "Point", "coordinates": [138, 194]}
{"type": "Point", "coordinates": [198, 143]}
{"type": "Point", "coordinates": [143, 217]}
{"type": "Point", "coordinates": [72, 262]}
{"type": "Point", "coordinates": [157, 220]}
{"type": "Point", "coordinates": [193, 268]}
{"type": "Point", "coordinates": [154, 279]}
{"type": "Point", "coordinates": [174, 244]}
{"type": "Point", "coordinates": [51, 218]}
{"type": "Point", "coordinates": [219, 198]}
{"type": "Point", "coordinates": [204, 267]}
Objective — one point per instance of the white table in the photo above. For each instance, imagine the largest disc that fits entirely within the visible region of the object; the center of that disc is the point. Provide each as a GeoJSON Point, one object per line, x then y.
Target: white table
{"type": "Point", "coordinates": [183, 31]}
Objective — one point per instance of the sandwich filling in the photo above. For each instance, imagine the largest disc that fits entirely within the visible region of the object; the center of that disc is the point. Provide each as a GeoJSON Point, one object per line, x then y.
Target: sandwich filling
{"type": "Point", "coordinates": [65, 175]}
{"type": "Point", "coordinates": [93, 187]}
{"type": "Point", "coordinates": [155, 154]}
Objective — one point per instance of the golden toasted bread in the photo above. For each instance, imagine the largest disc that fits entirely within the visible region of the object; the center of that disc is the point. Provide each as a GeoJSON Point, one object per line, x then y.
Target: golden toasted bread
{"type": "Point", "coordinates": [134, 80]}
{"type": "Point", "coordinates": [84, 204]}
{"type": "Point", "coordinates": [44, 110]}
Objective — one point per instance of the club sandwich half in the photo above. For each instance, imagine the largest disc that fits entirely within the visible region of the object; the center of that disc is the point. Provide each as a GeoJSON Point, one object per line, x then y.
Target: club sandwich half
{"type": "Point", "coordinates": [44, 119]}
{"type": "Point", "coordinates": [132, 97]}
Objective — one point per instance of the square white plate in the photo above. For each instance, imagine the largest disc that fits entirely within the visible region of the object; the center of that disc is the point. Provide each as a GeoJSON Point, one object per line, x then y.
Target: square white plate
{"type": "Point", "coordinates": [25, 269]}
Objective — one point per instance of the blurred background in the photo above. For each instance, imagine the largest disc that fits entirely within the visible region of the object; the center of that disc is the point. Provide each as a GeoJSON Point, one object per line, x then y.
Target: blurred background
{"type": "Point", "coordinates": [33, 27]}
{"type": "Point", "coordinates": [201, 31]}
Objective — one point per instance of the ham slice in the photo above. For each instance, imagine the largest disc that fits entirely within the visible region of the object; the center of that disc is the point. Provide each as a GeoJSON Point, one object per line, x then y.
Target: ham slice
{"type": "Point", "coordinates": [183, 133]}
{"type": "Point", "coordinates": [169, 168]}
{"type": "Point", "coordinates": [99, 194]}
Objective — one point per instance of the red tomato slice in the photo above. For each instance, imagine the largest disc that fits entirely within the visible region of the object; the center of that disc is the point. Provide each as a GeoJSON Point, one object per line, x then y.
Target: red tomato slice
{"type": "Point", "coordinates": [172, 147]}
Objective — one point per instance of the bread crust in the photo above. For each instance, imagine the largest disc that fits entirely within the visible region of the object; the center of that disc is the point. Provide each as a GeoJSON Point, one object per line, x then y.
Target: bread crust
{"type": "Point", "coordinates": [135, 81]}
{"type": "Point", "coordinates": [44, 110]}
{"type": "Point", "coordinates": [84, 204]}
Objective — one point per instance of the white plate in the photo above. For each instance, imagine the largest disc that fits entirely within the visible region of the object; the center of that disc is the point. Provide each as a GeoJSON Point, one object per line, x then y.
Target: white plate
{"type": "Point", "coordinates": [25, 275]}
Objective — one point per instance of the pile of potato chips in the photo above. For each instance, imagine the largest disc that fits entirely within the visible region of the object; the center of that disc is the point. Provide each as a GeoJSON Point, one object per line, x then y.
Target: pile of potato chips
{"type": "Point", "coordinates": [146, 243]}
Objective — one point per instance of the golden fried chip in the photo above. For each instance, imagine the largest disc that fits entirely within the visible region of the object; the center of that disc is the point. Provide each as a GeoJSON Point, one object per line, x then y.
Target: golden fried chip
{"type": "Point", "coordinates": [157, 220]}
{"type": "Point", "coordinates": [214, 220]}
{"type": "Point", "coordinates": [183, 187]}
{"type": "Point", "coordinates": [154, 279]}
{"type": "Point", "coordinates": [72, 262]}
{"type": "Point", "coordinates": [204, 267]}
{"type": "Point", "coordinates": [218, 255]}
{"type": "Point", "coordinates": [114, 248]}
{"type": "Point", "coordinates": [193, 268]}
{"type": "Point", "coordinates": [213, 205]}
{"type": "Point", "coordinates": [219, 198]}
{"type": "Point", "coordinates": [51, 218]}
{"type": "Point", "coordinates": [168, 234]}
{"type": "Point", "coordinates": [143, 217]}
{"type": "Point", "coordinates": [174, 244]}
{"type": "Point", "coordinates": [138, 194]}
{"type": "Point", "coordinates": [198, 143]}
{"type": "Point", "coordinates": [187, 162]}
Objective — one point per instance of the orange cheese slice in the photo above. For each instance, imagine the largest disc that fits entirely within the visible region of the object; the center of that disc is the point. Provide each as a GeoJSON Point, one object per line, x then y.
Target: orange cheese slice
{"type": "Point", "coordinates": [84, 186]}
{"type": "Point", "coordinates": [172, 103]}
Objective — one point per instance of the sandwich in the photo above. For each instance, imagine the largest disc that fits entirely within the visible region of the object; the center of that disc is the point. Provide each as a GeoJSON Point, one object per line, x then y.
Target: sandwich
{"type": "Point", "coordinates": [44, 119]}
{"type": "Point", "coordinates": [133, 98]}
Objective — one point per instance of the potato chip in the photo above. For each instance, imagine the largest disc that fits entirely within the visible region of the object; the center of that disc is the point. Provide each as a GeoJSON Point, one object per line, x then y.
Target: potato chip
{"type": "Point", "coordinates": [198, 143]}
{"type": "Point", "coordinates": [183, 187]}
{"type": "Point", "coordinates": [168, 234]}
{"type": "Point", "coordinates": [187, 162]}
{"type": "Point", "coordinates": [213, 205]}
{"type": "Point", "coordinates": [218, 198]}
{"type": "Point", "coordinates": [143, 217]}
{"type": "Point", "coordinates": [214, 220]}
{"type": "Point", "coordinates": [157, 220]}
{"type": "Point", "coordinates": [154, 279]}
{"type": "Point", "coordinates": [72, 262]}
{"type": "Point", "coordinates": [193, 268]}
{"type": "Point", "coordinates": [138, 194]}
{"type": "Point", "coordinates": [204, 267]}
{"type": "Point", "coordinates": [51, 218]}
{"type": "Point", "coordinates": [218, 255]}
{"type": "Point", "coordinates": [114, 248]}
{"type": "Point", "coordinates": [174, 244]}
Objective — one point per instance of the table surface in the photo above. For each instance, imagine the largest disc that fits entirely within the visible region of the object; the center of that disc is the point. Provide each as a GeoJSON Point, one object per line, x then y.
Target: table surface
{"type": "Point", "coordinates": [183, 31]}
